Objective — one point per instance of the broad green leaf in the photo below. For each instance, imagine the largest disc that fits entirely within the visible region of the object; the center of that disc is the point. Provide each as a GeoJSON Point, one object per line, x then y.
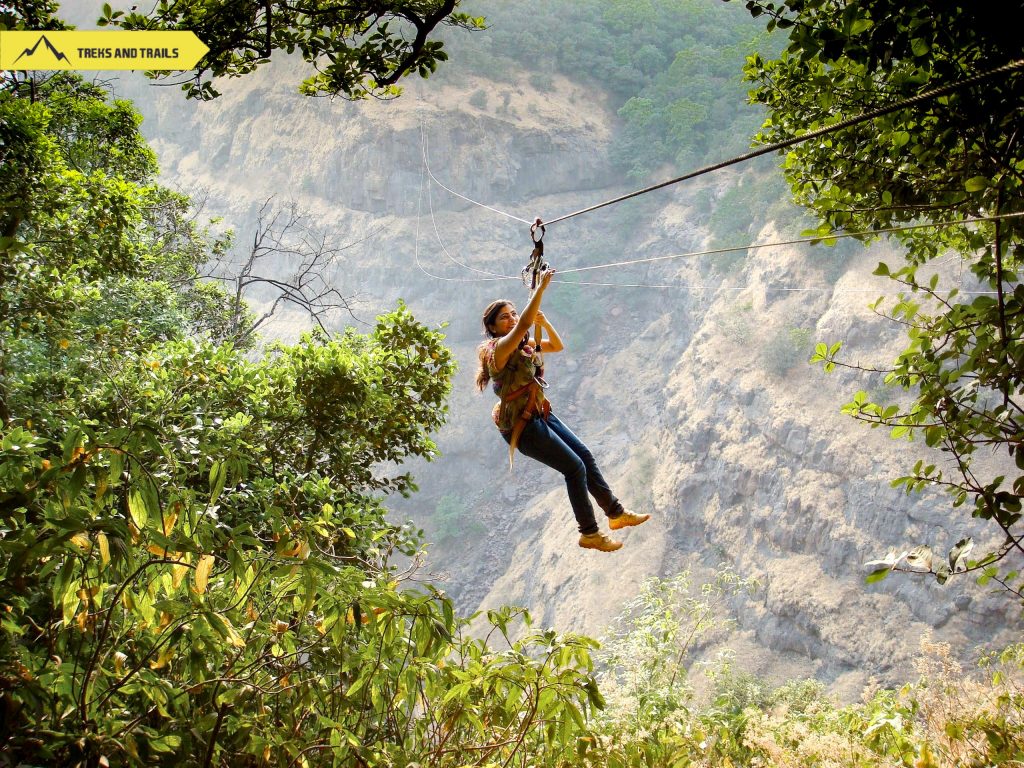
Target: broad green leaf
{"type": "Point", "coordinates": [138, 509]}
{"type": "Point", "coordinates": [217, 479]}
{"type": "Point", "coordinates": [877, 575]}
{"type": "Point", "coordinates": [861, 25]}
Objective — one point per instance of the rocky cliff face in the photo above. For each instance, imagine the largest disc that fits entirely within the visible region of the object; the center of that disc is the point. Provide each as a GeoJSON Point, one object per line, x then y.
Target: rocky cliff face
{"type": "Point", "coordinates": [695, 397]}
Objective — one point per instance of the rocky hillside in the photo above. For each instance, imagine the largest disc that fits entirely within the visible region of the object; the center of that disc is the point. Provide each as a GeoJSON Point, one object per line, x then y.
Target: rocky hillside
{"type": "Point", "coordinates": [695, 397]}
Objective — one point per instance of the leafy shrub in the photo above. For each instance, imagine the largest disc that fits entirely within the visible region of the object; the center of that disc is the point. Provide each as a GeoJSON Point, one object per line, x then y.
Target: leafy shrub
{"type": "Point", "coordinates": [737, 323]}
{"type": "Point", "coordinates": [785, 349]}
{"type": "Point", "coordinates": [478, 99]}
{"type": "Point", "coordinates": [454, 522]}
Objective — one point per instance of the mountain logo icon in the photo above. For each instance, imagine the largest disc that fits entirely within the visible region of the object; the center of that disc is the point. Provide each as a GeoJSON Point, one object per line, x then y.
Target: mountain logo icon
{"type": "Point", "coordinates": [31, 51]}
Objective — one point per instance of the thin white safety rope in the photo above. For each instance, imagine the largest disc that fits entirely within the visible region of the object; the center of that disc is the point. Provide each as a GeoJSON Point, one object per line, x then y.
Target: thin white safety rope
{"type": "Point", "coordinates": [416, 252]}
{"type": "Point", "coordinates": [426, 164]}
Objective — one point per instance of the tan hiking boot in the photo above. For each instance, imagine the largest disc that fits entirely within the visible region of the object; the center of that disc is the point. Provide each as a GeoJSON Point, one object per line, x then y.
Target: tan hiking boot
{"type": "Point", "coordinates": [600, 541]}
{"type": "Point", "coordinates": [626, 519]}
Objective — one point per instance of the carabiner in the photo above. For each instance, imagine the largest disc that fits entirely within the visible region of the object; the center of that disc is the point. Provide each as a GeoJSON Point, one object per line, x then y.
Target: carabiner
{"type": "Point", "coordinates": [533, 231]}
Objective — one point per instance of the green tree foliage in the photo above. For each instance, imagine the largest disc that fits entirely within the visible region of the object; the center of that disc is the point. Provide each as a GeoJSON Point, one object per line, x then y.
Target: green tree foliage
{"type": "Point", "coordinates": [195, 565]}
{"type": "Point", "coordinates": [356, 49]}
{"type": "Point", "coordinates": [950, 159]}
{"type": "Point", "coordinates": [94, 249]}
{"type": "Point", "coordinates": [646, 660]}
{"type": "Point", "coordinates": [31, 14]}
{"type": "Point", "coordinates": [947, 717]}
{"type": "Point", "coordinates": [670, 68]}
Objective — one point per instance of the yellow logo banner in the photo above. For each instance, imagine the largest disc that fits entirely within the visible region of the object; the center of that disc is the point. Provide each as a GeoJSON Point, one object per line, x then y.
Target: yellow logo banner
{"type": "Point", "coordinates": [104, 49]}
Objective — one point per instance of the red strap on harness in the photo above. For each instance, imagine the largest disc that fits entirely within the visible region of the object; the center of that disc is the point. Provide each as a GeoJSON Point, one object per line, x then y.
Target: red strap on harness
{"type": "Point", "coordinates": [524, 418]}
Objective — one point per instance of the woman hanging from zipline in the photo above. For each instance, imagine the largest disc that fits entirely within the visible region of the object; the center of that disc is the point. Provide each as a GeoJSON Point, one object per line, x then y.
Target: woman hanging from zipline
{"type": "Point", "coordinates": [510, 359]}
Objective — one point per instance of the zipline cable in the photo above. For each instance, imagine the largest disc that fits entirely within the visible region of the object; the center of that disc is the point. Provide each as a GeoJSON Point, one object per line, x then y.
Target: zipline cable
{"type": "Point", "coordinates": [766, 288]}
{"type": "Point", "coordinates": [692, 254]}
{"type": "Point", "coordinates": [756, 246]}
{"type": "Point", "coordinates": [493, 276]}
{"type": "Point", "coordinates": [871, 115]}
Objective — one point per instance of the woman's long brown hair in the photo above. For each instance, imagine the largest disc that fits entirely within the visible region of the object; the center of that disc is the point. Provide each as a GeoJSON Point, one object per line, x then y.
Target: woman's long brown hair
{"type": "Point", "coordinates": [490, 315]}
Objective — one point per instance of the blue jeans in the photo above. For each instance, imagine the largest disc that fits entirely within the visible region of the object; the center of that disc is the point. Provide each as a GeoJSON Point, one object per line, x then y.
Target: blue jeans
{"type": "Point", "coordinates": [553, 444]}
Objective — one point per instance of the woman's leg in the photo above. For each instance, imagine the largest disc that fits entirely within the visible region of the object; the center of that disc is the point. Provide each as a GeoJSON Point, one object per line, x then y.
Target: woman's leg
{"type": "Point", "coordinates": [541, 443]}
{"type": "Point", "coordinates": [596, 483]}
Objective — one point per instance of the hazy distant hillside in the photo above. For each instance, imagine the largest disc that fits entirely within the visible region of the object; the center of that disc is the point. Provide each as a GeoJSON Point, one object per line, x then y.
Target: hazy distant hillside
{"type": "Point", "coordinates": [694, 393]}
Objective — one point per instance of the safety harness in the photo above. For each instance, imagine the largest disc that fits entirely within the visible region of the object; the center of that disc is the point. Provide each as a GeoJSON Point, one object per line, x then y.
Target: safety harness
{"type": "Point", "coordinates": [532, 409]}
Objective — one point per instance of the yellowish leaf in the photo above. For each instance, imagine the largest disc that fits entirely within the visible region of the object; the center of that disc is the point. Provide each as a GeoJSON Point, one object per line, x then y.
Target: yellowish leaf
{"type": "Point", "coordinates": [299, 549]}
{"type": "Point", "coordinates": [162, 660]}
{"type": "Point", "coordinates": [178, 575]}
{"type": "Point", "coordinates": [130, 746]}
{"type": "Point", "coordinates": [203, 569]}
{"type": "Point", "coordinates": [81, 540]}
{"type": "Point", "coordinates": [101, 487]}
{"type": "Point", "coordinates": [169, 554]}
{"type": "Point", "coordinates": [88, 593]}
{"type": "Point", "coordinates": [351, 617]}
{"type": "Point", "coordinates": [104, 545]}
{"type": "Point", "coordinates": [234, 638]}
{"type": "Point", "coordinates": [170, 520]}
{"type": "Point", "coordinates": [289, 551]}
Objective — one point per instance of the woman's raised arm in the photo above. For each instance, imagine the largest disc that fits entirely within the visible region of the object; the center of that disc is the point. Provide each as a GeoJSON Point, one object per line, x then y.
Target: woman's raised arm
{"type": "Point", "coordinates": [508, 343]}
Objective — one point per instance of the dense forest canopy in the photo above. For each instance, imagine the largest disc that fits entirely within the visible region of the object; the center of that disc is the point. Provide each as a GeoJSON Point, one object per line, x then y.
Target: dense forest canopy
{"type": "Point", "coordinates": [668, 67]}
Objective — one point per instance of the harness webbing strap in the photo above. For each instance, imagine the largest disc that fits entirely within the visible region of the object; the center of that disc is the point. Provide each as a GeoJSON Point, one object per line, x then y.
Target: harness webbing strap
{"type": "Point", "coordinates": [527, 414]}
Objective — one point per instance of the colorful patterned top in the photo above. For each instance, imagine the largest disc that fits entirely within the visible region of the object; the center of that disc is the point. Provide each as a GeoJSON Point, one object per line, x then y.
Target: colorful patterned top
{"type": "Point", "coordinates": [521, 369]}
